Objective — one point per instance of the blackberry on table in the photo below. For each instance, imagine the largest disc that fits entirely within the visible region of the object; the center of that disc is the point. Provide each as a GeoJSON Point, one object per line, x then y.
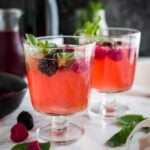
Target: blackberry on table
{"type": "Point", "coordinates": [25, 118]}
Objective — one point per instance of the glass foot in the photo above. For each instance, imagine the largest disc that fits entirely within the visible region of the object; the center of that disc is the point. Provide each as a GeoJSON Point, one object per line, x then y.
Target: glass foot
{"type": "Point", "coordinates": [68, 135]}
{"type": "Point", "coordinates": [97, 110]}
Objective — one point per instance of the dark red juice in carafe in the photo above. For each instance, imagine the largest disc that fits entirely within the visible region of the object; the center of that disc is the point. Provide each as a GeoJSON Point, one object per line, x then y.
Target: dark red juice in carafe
{"type": "Point", "coordinates": [11, 49]}
{"type": "Point", "coordinates": [11, 53]}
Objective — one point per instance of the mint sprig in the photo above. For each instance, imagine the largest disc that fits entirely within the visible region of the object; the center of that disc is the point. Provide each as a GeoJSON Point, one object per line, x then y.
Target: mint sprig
{"type": "Point", "coordinates": [31, 39]}
{"type": "Point", "coordinates": [24, 146]}
{"type": "Point", "coordinates": [45, 45]}
{"type": "Point", "coordinates": [90, 28]}
{"type": "Point", "coordinates": [127, 123]}
{"type": "Point", "coordinates": [65, 55]}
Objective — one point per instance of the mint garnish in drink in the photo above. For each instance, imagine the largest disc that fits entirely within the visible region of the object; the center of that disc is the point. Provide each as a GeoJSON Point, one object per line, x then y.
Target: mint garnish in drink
{"type": "Point", "coordinates": [43, 44]}
{"type": "Point", "coordinates": [90, 28]}
{"type": "Point", "coordinates": [54, 57]}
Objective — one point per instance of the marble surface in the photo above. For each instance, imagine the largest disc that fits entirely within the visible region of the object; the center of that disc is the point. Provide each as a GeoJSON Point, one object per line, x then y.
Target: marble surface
{"type": "Point", "coordinates": [97, 131]}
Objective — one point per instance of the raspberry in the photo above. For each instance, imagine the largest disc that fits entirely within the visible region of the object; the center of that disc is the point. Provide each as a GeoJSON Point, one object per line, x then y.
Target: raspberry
{"type": "Point", "coordinates": [25, 118]}
{"type": "Point", "coordinates": [68, 48]}
{"type": "Point", "coordinates": [100, 52]}
{"type": "Point", "coordinates": [115, 54]}
{"type": "Point", "coordinates": [34, 146]}
{"type": "Point", "coordinates": [79, 65]}
{"type": "Point", "coordinates": [19, 133]}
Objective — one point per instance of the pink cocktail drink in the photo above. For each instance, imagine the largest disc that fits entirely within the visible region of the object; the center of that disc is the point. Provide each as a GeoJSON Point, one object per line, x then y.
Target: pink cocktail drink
{"type": "Point", "coordinates": [64, 92]}
{"type": "Point", "coordinates": [113, 66]}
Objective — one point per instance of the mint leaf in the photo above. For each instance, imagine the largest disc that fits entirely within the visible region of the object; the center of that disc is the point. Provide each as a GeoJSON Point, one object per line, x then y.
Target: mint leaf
{"type": "Point", "coordinates": [65, 54]}
{"type": "Point", "coordinates": [24, 146]}
{"type": "Point", "coordinates": [120, 137]}
{"type": "Point", "coordinates": [130, 119]}
{"type": "Point", "coordinates": [44, 44]}
{"type": "Point", "coordinates": [65, 58]}
{"type": "Point", "coordinates": [128, 123]}
{"type": "Point", "coordinates": [31, 39]}
{"type": "Point", "coordinates": [90, 28]}
{"type": "Point", "coordinates": [45, 146]}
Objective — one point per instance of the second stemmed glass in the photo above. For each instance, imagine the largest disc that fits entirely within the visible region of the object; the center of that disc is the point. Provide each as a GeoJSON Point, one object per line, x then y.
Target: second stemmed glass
{"type": "Point", "coordinates": [114, 65]}
{"type": "Point", "coordinates": [59, 77]}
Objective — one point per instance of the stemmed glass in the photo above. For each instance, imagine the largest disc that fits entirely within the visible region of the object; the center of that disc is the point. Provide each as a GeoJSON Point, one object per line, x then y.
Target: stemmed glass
{"type": "Point", "coordinates": [59, 79]}
{"type": "Point", "coordinates": [114, 65]}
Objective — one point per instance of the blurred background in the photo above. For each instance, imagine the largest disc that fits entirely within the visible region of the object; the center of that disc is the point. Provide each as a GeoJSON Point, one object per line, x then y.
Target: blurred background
{"type": "Point", "coordinates": [49, 17]}
{"type": "Point", "coordinates": [60, 16]}
{"type": "Point", "coordinates": [53, 17]}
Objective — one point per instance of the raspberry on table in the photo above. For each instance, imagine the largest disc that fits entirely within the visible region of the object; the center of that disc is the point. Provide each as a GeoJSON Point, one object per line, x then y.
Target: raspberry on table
{"type": "Point", "coordinates": [19, 133]}
{"type": "Point", "coordinates": [34, 146]}
{"type": "Point", "coordinates": [25, 118]}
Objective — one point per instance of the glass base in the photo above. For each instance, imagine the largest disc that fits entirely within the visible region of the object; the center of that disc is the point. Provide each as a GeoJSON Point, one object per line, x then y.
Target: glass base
{"type": "Point", "coordinates": [98, 110]}
{"type": "Point", "coordinates": [68, 135]}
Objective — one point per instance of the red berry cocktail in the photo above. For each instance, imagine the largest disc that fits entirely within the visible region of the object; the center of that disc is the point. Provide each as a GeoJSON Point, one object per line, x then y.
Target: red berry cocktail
{"type": "Point", "coordinates": [114, 64]}
{"type": "Point", "coordinates": [59, 78]}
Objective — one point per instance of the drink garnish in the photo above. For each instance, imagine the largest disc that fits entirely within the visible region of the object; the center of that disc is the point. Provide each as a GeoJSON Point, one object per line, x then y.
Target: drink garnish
{"type": "Point", "coordinates": [90, 28]}
{"type": "Point", "coordinates": [54, 57]}
{"type": "Point", "coordinates": [44, 45]}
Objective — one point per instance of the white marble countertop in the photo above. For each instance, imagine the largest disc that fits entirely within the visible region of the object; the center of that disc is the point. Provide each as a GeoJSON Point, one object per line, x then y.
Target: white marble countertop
{"type": "Point", "coordinates": [97, 131]}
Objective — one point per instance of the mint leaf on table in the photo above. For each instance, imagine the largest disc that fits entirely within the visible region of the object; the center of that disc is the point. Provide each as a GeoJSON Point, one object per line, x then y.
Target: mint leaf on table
{"type": "Point", "coordinates": [120, 137]}
{"type": "Point", "coordinates": [128, 123]}
{"type": "Point", "coordinates": [45, 146]}
{"type": "Point", "coordinates": [24, 146]}
{"type": "Point", "coordinates": [130, 118]}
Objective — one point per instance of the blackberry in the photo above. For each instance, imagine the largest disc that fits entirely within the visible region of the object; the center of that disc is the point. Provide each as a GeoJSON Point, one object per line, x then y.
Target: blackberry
{"type": "Point", "coordinates": [49, 64]}
{"type": "Point", "coordinates": [119, 43]}
{"type": "Point", "coordinates": [48, 67]}
{"type": "Point", "coordinates": [108, 44]}
{"type": "Point", "coordinates": [25, 118]}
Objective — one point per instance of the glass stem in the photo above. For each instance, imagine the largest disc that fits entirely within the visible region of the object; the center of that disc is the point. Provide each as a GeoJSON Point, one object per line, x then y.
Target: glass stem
{"type": "Point", "coordinates": [108, 106]}
{"type": "Point", "coordinates": [59, 124]}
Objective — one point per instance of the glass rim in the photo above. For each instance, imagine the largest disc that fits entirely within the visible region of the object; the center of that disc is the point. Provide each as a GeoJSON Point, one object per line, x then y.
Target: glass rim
{"type": "Point", "coordinates": [88, 40]}
{"type": "Point", "coordinates": [130, 32]}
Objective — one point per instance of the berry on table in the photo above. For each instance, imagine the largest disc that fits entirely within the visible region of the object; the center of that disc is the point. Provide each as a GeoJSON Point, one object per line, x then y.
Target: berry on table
{"type": "Point", "coordinates": [19, 133]}
{"type": "Point", "coordinates": [34, 146]}
{"type": "Point", "coordinates": [25, 118]}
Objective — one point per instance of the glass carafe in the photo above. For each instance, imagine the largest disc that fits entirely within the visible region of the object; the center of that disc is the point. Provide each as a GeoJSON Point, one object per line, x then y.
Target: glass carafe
{"type": "Point", "coordinates": [11, 50]}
